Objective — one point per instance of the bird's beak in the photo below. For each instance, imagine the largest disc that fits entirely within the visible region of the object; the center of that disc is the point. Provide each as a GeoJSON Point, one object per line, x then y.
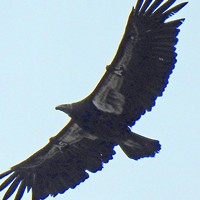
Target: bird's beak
{"type": "Point", "coordinates": [61, 107]}
{"type": "Point", "coordinates": [66, 108]}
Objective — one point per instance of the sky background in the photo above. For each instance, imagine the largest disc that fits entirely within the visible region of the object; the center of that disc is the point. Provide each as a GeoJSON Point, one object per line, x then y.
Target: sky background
{"type": "Point", "coordinates": [55, 51]}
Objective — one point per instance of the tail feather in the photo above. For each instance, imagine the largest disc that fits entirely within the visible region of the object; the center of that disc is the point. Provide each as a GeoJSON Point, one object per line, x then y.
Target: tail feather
{"type": "Point", "coordinates": [136, 146]}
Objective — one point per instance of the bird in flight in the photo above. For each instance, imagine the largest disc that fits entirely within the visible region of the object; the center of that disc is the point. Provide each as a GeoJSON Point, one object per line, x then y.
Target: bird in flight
{"type": "Point", "coordinates": [137, 75]}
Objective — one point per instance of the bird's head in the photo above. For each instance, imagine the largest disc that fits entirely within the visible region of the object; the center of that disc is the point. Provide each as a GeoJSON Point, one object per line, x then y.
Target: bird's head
{"type": "Point", "coordinates": [66, 108]}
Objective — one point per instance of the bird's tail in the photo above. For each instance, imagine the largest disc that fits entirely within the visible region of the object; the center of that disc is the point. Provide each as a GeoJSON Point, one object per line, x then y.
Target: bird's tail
{"type": "Point", "coordinates": [136, 146]}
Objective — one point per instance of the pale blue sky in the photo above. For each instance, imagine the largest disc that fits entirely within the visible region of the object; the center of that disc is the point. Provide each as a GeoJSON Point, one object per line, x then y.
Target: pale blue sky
{"type": "Point", "coordinates": [55, 51]}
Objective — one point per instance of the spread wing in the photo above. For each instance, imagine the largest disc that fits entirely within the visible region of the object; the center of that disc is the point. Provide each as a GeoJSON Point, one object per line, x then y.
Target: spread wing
{"type": "Point", "coordinates": [144, 61]}
{"type": "Point", "coordinates": [60, 165]}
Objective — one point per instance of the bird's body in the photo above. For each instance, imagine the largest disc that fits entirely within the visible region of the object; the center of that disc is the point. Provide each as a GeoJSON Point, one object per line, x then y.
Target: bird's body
{"type": "Point", "coordinates": [138, 75]}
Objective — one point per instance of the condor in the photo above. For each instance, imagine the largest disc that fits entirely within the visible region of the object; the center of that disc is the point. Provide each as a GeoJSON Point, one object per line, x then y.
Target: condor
{"type": "Point", "coordinates": [138, 74]}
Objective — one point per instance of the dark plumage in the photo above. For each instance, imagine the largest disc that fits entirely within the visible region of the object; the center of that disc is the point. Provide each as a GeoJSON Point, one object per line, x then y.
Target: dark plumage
{"type": "Point", "coordinates": [138, 75]}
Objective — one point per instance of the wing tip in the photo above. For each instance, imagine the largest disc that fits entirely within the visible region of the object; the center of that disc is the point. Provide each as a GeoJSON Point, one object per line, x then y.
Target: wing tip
{"type": "Point", "coordinates": [157, 7]}
{"type": "Point", "coordinates": [138, 5]}
{"type": "Point", "coordinates": [6, 173]}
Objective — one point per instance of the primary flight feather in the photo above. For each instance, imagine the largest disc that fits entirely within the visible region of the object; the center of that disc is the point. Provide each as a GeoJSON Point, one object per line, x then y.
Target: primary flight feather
{"type": "Point", "coordinates": [137, 75]}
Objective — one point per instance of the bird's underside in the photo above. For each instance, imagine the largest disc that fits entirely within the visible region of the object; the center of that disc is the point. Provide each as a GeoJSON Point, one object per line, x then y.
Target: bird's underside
{"type": "Point", "coordinates": [138, 74]}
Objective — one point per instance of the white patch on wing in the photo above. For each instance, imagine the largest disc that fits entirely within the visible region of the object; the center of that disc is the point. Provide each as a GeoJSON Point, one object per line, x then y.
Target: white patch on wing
{"type": "Point", "coordinates": [73, 135]}
{"type": "Point", "coordinates": [109, 98]}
